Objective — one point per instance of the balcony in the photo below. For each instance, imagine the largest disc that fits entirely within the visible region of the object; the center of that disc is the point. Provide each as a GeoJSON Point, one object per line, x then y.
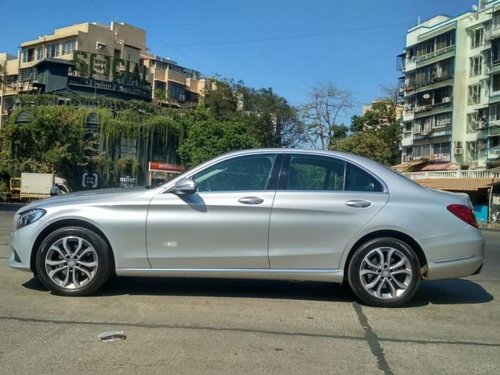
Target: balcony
{"type": "Point", "coordinates": [491, 33]}
{"type": "Point", "coordinates": [430, 109]}
{"type": "Point", "coordinates": [494, 153]}
{"type": "Point", "coordinates": [494, 128]}
{"type": "Point", "coordinates": [420, 60]}
{"type": "Point", "coordinates": [111, 86]}
{"type": "Point", "coordinates": [429, 84]}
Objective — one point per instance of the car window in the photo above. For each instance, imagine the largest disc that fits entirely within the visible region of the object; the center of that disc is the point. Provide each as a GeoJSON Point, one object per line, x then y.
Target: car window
{"type": "Point", "coordinates": [360, 180]}
{"type": "Point", "coordinates": [315, 173]}
{"type": "Point", "coordinates": [242, 173]}
{"type": "Point", "coordinates": [311, 172]}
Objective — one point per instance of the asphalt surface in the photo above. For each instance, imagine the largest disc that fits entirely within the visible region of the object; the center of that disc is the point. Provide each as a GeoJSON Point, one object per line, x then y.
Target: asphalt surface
{"type": "Point", "coordinates": [175, 326]}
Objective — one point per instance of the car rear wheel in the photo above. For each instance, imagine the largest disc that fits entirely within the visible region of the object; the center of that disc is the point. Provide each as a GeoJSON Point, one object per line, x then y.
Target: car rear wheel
{"type": "Point", "coordinates": [384, 272]}
{"type": "Point", "coordinates": [73, 261]}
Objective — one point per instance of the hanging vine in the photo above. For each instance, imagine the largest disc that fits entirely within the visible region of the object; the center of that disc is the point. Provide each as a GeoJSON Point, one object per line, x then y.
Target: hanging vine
{"type": "Point", "coordinates": [52, 138]}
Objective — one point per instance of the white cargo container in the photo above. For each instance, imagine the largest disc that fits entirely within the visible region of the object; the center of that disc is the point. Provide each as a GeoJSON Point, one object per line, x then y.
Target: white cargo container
{"type": "Point", "coordinates": [38, 185]}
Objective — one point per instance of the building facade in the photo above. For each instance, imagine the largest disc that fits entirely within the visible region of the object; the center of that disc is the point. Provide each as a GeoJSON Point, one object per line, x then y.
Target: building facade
{"type": "Point", "coordinates": [93, 59]}
{"type": "Point", "coordinates": [451, 90]}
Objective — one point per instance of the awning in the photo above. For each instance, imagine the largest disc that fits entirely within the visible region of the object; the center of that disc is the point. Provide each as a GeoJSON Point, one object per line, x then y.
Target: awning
{"type": "Point", "coordinates": [404, 167]}
{"type": "Point", "coordinates": [438, 167]}
{"type": "Point", "coordinates": [458, 184]}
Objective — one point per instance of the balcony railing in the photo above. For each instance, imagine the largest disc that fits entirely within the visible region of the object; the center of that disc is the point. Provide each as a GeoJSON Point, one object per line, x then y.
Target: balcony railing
{"type": "Point", "coordinates": [494, 153]}
{"type": "Point", "coordinates": [416, 85]}
{"type": "Point", "coordinates": [92, 83]}
{"type": "Point", "coordinates": [491, 33]}
{"type": "Point", "coordinates": [451, 174]}
{"type": "Point", "coordinates": [429, 107]}
{"type": "Point", "coordinates": [439, 52]}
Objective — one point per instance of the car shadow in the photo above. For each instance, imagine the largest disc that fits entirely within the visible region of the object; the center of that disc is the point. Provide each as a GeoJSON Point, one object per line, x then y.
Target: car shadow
{"type": "Point", "coordinates": [443, 292]}
{"type": "Point", "coordinates": [455, 291]}
{"type": "Point", "coordinates": [35, 284]}
{"type": "Point", "coordinates": [237, 288]}
{"type": "Point", "coordinates": [449, 292]}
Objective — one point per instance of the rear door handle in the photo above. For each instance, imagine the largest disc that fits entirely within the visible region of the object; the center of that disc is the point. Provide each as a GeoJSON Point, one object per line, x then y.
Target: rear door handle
{"type": "Point", "coordinates": [358, 203]}
{"type": "Point", "coordinates": [251, 200]}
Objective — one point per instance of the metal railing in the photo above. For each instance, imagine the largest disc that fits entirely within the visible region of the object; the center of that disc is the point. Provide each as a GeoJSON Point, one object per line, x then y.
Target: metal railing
{"type": "Point", "coordinates": [451, 174]}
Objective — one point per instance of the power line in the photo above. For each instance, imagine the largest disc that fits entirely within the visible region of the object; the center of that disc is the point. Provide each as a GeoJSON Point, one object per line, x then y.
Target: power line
{"type": "Point", "coordinates": [291, 37]}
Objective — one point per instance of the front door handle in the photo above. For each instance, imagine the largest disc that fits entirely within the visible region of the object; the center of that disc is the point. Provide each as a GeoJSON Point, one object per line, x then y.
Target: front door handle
{"type": "Point", "coordinates": [358, 203]}
{"type": "Point", "coordinates": [251, 200]}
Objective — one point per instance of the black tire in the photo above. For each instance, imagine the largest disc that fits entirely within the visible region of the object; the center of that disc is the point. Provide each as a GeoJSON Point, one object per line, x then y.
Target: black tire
{"type": "Point", "coordinates": [73, 261]}
{"type": "Point", "coordinates": [384, 272]}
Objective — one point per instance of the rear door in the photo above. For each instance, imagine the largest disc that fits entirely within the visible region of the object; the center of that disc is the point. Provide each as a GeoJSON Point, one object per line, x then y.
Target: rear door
{"type": "Point", "coordinates": [320, 204]}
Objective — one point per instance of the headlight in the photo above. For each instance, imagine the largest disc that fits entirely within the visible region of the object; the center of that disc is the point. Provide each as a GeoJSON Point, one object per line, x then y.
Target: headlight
{"type": "Point", "coordinates": [30, 216]}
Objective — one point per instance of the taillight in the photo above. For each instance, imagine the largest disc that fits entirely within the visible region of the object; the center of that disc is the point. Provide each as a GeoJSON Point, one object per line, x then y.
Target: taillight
{"type": "Point", "coordinates": [464, 213]}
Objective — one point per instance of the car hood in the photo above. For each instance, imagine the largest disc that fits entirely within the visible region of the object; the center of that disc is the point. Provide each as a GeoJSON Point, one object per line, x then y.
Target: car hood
{"type": "Point", "coordinates": [98, 195]}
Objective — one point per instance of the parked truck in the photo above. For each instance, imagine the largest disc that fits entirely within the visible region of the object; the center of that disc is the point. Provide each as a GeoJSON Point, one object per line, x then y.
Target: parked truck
{"type": "Point", "coordinates": [32, 186]}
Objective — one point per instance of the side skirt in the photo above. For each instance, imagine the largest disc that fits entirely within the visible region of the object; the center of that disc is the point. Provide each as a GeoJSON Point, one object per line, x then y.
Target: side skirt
{"type": "Point", "coordinates": [330, 275]}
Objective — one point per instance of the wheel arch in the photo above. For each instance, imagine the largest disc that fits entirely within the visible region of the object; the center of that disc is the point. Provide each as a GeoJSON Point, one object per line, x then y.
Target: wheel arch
{"type": "Point", "coordinates": [388, 233]}
{"type": "Point", "coordinates": [68, 223]}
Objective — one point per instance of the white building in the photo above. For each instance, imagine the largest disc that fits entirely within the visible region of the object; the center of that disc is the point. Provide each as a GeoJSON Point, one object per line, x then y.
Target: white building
{"type": "Point", "coordinates": [451, 87]}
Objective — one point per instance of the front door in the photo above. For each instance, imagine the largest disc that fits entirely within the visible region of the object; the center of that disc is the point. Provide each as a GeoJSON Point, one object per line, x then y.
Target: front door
{"type": "Point", "coordinates": [224, 225]}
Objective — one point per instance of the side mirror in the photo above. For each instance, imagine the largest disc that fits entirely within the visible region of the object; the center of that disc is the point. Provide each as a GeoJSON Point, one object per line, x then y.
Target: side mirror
{"type": "Point", "coordinates": [184, 186]}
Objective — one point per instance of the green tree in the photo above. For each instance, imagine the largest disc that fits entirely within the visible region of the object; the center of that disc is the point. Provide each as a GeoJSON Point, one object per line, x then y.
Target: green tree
{"type": "Point", "coordinates": [56, 138]}
{"type": "Point", "coordinates": [51, 142]}
{"type": "Point", "coordinates": [365, 144]}
{"type": "Point", "coordinates": [268, 116]}
{"type": "Point", "coordinates": [380, 122]}
{"type": "Point", "coordinates": [222, 99]}
{"type": "Point", "coordinates": [207, 138]}
{"type": "Point", "coordinates": [274, 122]}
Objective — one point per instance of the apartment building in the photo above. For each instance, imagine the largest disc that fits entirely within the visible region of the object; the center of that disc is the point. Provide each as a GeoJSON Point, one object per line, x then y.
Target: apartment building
{"type": "Point", "coordinates": [451, 88]}
{"type": "Point", "coordinates": [8, 81]}
{"type": "Point", "coordinates": [93, 59]}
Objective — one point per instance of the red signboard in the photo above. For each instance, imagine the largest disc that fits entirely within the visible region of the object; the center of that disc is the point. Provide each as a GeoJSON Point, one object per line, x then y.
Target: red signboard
{"type": "Point", "coordinates": [166, 167]}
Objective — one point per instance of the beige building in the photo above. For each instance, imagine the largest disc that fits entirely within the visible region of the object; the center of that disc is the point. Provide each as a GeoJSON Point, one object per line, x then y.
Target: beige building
{"type": "Point", "coordinates": [94, 59]}
{"type": "Point", "coordinates": [8, 83]}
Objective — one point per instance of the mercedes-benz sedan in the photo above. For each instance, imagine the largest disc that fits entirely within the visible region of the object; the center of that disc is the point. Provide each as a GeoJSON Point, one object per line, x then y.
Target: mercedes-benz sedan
{"type": "Point", "coordinates": [259, 214]}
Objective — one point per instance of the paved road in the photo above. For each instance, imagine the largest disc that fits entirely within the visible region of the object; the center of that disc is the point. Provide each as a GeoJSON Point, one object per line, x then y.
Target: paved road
{"type": "Point", "coordinates": [175, 326]}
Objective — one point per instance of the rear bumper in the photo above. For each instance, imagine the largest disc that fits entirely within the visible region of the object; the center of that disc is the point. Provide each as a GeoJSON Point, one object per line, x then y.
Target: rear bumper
{"type": "Point", "coordinates": [456, 256]}
{"type": "Point", "coordinates": [454, 268]}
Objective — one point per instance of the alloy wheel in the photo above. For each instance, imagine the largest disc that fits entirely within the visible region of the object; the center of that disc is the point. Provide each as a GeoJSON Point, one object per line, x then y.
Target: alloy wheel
{"type": "Point", "coordinates": [71, 262]}
{"type": "Point", "coordinates": [385, 273]}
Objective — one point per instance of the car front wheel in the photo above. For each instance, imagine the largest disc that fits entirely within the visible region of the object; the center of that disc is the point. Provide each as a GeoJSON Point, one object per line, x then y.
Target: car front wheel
{"type": "Point", "coordinates": [384, 272]}
{"type": "Point", "coordinates": [73, 261]}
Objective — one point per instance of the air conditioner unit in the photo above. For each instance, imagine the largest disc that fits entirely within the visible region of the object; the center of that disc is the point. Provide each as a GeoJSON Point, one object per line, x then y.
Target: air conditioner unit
{"type": "Point", "coordinates": [446, 99]}
{"type": "Point", "coordinates": [182, 98]}
{"type": "Point", "coordinates": [458, 144]}
{"type": "Point", "coordinates": [459, 151]}
{"type": "Point", "coordinates": [100, 45]}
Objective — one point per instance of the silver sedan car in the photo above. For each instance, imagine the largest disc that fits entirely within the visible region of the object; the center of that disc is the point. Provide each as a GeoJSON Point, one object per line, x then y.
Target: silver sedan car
{"type": "Point", "coordinates": [258, 214]}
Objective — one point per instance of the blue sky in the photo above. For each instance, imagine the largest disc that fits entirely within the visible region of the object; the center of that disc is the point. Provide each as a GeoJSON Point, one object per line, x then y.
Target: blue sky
{"type": "Point", "coordinates": [287, 45]}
